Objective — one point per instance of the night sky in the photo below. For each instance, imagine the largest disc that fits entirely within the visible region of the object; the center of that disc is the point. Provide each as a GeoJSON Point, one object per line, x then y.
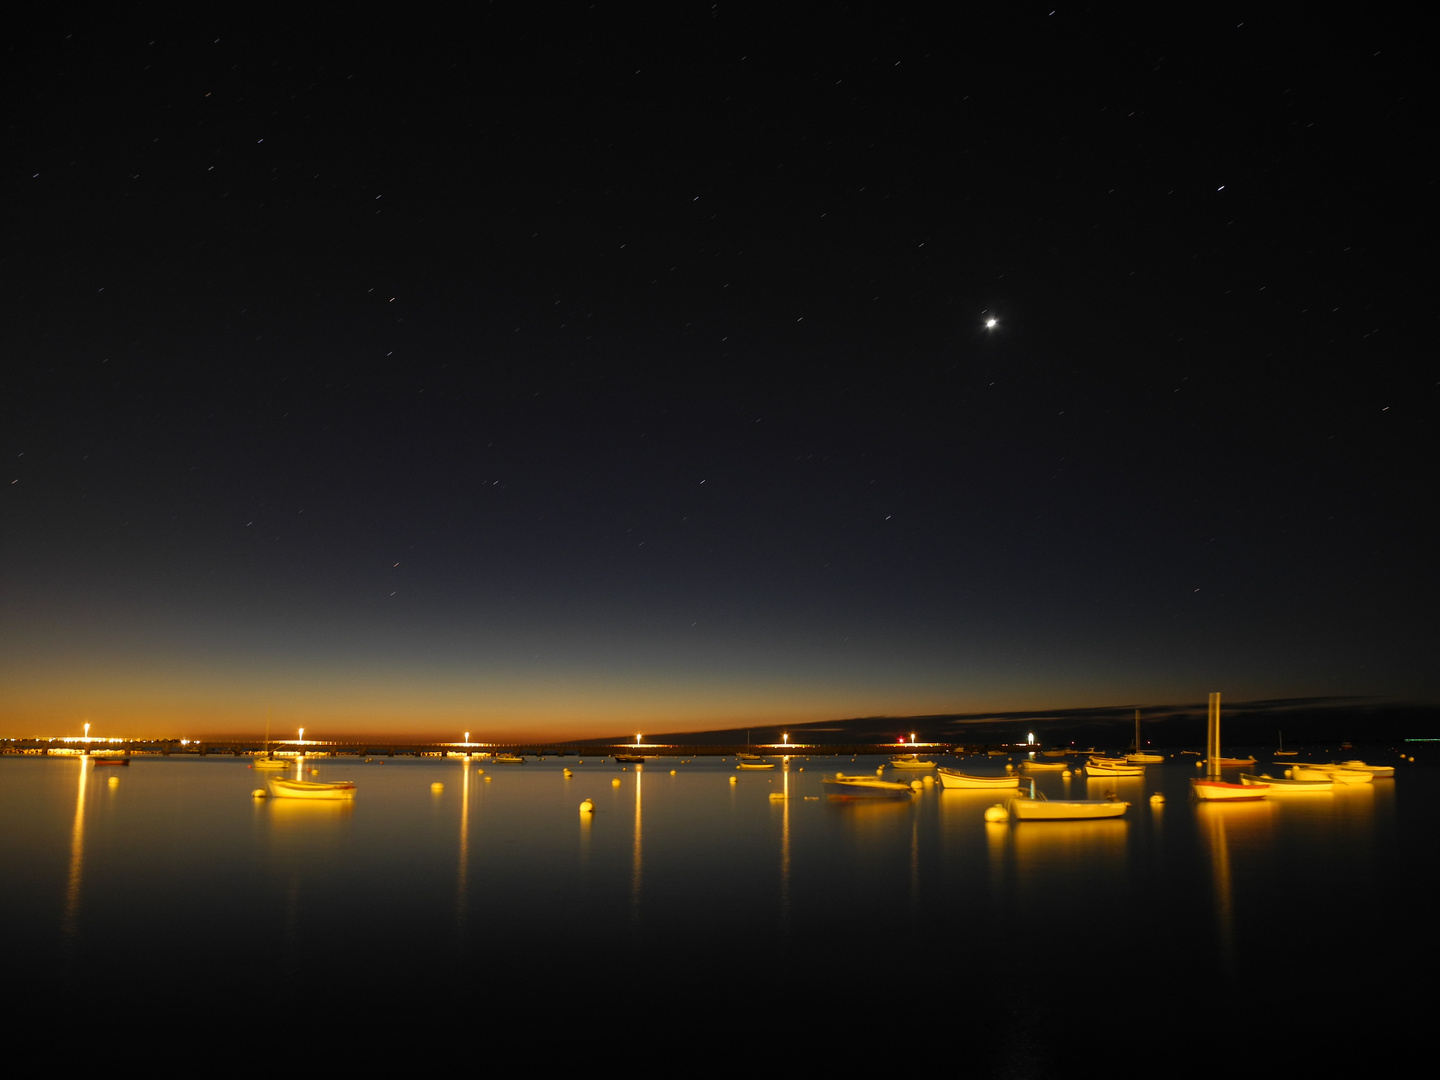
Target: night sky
{"type": "Point", "coordinates": [564, 371]}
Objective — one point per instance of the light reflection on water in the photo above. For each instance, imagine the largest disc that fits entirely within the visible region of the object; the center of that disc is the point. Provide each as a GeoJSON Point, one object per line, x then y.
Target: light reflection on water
{"type": "Point", "coordinates": [174, 873]}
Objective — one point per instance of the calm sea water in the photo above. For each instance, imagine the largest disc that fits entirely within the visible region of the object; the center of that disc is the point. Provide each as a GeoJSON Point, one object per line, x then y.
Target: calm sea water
{"type": "Point", "coordinates": [162, 899]}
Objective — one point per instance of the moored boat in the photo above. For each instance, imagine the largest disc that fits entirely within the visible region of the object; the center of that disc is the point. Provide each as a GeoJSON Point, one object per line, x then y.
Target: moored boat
{"type": "Point", "coordinates": [110, 760]}
{"type": "Point", "coordinates": [1377, 771]}
{"type": "Point", "coordinates": [1043, 766]}
{"type": "Point", "coordinates": [1332, 772]}
{"type": "Point", "coordinates": [910, 761]}
{"type": "Point", "coordinates": [841, 786]}
{"type": "Point", "coordinates": [1043, 809]}
{"type": "Point", "coordinates": [756, 764]}
{"type": "Point", "coordinates": [951, 779]}
{"type": "Point", "coordinates": [1221, 790]}
{"type": "Point", "coordinates": [1287, 786]}
{"type": "Point", "coordinates": [311, 789]}
{"type": "Point", "coordinates": [1107, 769]}
{"type": "Point", "coordinates": [516, 759]}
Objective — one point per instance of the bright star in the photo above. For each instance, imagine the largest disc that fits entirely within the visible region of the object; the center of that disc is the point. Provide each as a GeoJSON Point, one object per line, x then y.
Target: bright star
{"type": "Point", "coordinates": [990, 324]}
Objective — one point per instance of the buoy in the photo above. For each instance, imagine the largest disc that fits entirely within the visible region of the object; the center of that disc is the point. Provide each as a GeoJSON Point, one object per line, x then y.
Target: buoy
{"type": "Point", "coordinates": [114, 781]}
{"type": "Point", "coordinates": [672, 772]}
{"type": "Point", "coordinates": [929, 781]}
{"type": "Point", "coordinates": [1066, 773]}
{"type": "Point", "coordinates": [259, 793]}
{"type": "Point", "coordinates": [488, 779]}
{"type": "Point", "coordinates": [480, 771]}
{"type": "Point", "coordinates": [915, 785]}
{"type": "Point", "coordinates": [732, 779]}
{"type": "Point", "coordinates": [615, 782]}
{"type": "Point", "coordinates": [587, 807]}
{"type": "Point", "coordinates": [997, 813]}
{"type": "Point", "coordinates": [568, 774]}
{"type": "Point", "coordinates": [437, 787]}
{"type": "Point", "coordinates": [1009, 767]}
{"type": "Point", "coordinates": [1156, 799]}
{"type": "Point", "coordinates": [1199, 764]}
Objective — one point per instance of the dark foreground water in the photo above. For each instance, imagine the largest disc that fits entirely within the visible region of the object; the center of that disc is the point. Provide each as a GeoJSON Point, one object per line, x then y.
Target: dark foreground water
{"type": "Point", "coordinates": [161, 902]}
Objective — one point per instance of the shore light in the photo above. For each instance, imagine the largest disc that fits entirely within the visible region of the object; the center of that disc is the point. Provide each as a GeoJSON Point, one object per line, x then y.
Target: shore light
{"type": "Point", "coordinates": [87, 730]}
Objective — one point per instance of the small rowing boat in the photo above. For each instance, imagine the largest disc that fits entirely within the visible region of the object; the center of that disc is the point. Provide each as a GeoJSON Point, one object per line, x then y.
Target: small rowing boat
{"type": "Point", "coordinates": [951, 779]}
{"type": "Point", "coordinates": [310, 789]}
{"type": "Point", "coordinates": [1042, 809]}
{"type": "Point", "coordinates": [841, 786]}
{"type": "Point", "coordinates": [1221, 790]}
{"type": "Point", "coordinates": [1287, 787]}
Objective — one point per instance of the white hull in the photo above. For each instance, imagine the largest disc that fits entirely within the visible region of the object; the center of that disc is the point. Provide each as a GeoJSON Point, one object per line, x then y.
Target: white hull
{"type": "Point", "coordinates": [951, 779]}
{"type": "Point", "coordinates": [910, 762]}
{"type": "Point", "coordinates": [1144, 759]}
{"type": "Point", "coordinates": [1115, 770]}
{"type": "Point", "coordinates": [305, 789]}
{"type": "Point", "coordinates": [1376, 771]}
{"type": "Point", "coordinates": [1064, 809]}
{"type": "Point", "coordinates": [1286, 787]}
{"type": "Point", "coordinates": [1331, 772]}
{"type": "Point", "coordinates": [1218, 789]}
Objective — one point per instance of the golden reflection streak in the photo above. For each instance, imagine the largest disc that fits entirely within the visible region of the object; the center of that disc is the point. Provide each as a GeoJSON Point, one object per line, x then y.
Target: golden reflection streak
{"type": "Point", "coordinates": [635, 874]}
{"type": "Point", "coordinates": [1214, 821]}
{"type": "Point", "coordinates": [70, 924]}
{"type": "Point", "coordinates": [785, 853]}
{"type": "Point", "coordinates": [462, 875]}
{"type": "Point", "coordinates": [1244, 818]}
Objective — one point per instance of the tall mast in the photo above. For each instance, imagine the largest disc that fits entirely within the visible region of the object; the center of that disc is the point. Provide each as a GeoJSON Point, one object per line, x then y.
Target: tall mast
{"type": "Point", "coordinates": [1212, 737]}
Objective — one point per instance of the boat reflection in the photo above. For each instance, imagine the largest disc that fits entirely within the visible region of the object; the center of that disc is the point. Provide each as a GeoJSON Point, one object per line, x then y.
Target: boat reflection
{"type": "Point", "coordinates": [70, 922]}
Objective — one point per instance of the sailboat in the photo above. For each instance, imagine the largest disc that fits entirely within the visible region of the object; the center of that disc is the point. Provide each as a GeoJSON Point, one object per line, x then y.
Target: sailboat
{"type": "Point", "coordinates": [1211, 786]}
{"type": "Point", "coordinates": [1282, 752]}
{"type": "Point", "coordinates": [266, 761]}
{"type": "Point", "coordinates": [1139, 757]}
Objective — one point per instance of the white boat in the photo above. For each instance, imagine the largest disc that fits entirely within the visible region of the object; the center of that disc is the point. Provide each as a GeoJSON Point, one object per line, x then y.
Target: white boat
{"type": "Point", "coordinates": [1043, 809]}
{"type": "Point", "coordinates": [512, 759]}
{"type": "Point", "coordinates": [841, 786]}
{"type": "Point", "coordinates": [910, 761]}
{"type": "Point", "coordinates": [1211, 786]}
{"type": "Point", "coordinates": [1333, 772]}
{"type": "Point", "coordinates": [1097, 759]}
{"type": "Point", "coordinates": [1374, 770]}
{"type": "Point", "coordinates": [1140, 757]}
{"type": "Point", "coordinates": [756, 764]}
{"type": "Point", "coordinates": [1043, 766]}
{"type": "Point", "coordinates": [1289, 786]}
{"type": "Point", "coordinates": [951, 779]}
{"type": "Point", "coordinates": [1219, 789]}
{"type": "Point", "coordinates": [310, 789]}
{"type": "Point", "coordinates": [1097, 769]}
{"type": "Point", "coordinates": [1280, 750]}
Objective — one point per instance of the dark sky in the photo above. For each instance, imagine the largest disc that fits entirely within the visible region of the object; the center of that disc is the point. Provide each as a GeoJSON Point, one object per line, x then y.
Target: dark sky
{"type": "Point", "coordinates": [565, 370]}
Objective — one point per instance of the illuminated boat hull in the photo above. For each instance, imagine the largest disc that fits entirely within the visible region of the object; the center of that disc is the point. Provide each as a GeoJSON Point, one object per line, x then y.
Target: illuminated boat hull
{"type": "Point", "coordinates": [841, 786]}
{"type": "Point", "coordinates": [910, 761]}
{"type": "Point", "coordinates": [270, 763]}
{"type": "Point", "coordinates": [1222, 791]}
{"type": "Point", "coordinates": [1331, 772]}
{"type": "Point", "coordinates": [1096, 769]}
{"type": "Point", "coordinates": [1065, 809]}
{"type": "Point", "coordinates": [307, 789]}
{"type": "Point", "coordinates": [951, 779]}
{"type": "Point", "coordinates": [1285, 787]}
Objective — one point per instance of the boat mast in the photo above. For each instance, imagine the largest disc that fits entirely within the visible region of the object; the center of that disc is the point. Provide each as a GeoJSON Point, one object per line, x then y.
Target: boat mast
{"type": "Point", "coordinates": [1137, 732]}
{"type": "Point", "coordinates": [1212, 738]}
